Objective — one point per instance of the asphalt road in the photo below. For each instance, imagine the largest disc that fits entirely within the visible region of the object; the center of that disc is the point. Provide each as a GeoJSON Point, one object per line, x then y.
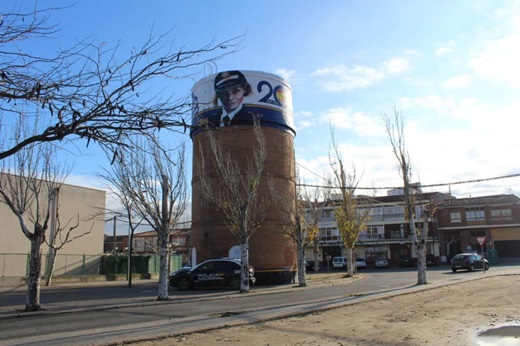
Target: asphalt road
{"type": "Point", "coordinates": [107, 314]}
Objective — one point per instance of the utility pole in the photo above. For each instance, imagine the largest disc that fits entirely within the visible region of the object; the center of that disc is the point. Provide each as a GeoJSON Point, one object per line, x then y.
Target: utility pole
{"type": "Point", "coordinates": [114, 243]}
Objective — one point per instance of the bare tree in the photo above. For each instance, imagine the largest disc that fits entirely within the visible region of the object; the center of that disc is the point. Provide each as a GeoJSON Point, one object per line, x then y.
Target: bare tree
{"type": "Point", "coordinates": [315, 202]}
{"type": "Point", "coordinates": [236, 195]}
{"type": "Point", "coordinates": [88, 91]}
{"type": "Point", "coordinates": [395, 131]}
{"type": "Point", "coordinates": [295, 211]}
{"type": "Point", "coordinates": [62, 235]}
{"type": "Point", "coordinates": [29, 180]}
{"type": "Point", "coordinates": [156, 187]}
{"type": "Point", "coordinates": [117, 177]}
{"type": "Point", "coordinates": [350, 218]}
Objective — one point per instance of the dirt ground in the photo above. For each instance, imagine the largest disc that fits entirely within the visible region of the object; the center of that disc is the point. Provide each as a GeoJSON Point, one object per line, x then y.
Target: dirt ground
{"type": "Point", "coordinates": [449, 315]}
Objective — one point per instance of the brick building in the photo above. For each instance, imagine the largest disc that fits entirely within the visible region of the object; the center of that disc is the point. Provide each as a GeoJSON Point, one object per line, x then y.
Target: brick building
{"type": "Point", "coordinates": [496, 217]}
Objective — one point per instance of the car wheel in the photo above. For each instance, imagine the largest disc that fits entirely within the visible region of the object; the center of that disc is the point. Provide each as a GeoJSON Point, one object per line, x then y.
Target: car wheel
{"type": "Point", "coordinates": [472, 267]}
{"type": "Point", "coordinates": [184, 284]}
{"type": "Point", "coordinates": [235, 283]}
{"type": "Point", "coordinates": [486, 266]}
{"type": "Point", "coordinates": [454, 270]}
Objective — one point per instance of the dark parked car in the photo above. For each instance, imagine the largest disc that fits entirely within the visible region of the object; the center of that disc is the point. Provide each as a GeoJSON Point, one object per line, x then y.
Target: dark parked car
{"type": "Point", "coordinates": [222, 272]}
{"type": "Point", "coordinates": [382, 262]}
{"type": "Point", "coordinates": [406, 261]}
{"type": "Point", "coordinates": [309, 266]}
{"type": "Point", "coordinates": [430, 260]}
{"type": "Point", "coordinates": [469, 261]}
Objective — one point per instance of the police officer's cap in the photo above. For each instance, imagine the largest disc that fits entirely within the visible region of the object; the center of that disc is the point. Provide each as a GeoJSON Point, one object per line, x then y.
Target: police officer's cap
{"type": "Point", "coordinates": [229, 79]}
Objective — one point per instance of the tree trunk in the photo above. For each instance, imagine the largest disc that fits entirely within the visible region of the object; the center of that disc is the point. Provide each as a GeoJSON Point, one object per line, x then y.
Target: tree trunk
{"type": "Point", "coordinates": [162, 292]}
{"type": "Point", "coordinates": [52, 265]}
{"type": "Point", "coordinates": [421, 255]}
{"type": "Point", "coordinates": [301, 265]}
{"type": "Point", "coordinates": [316, 258]}
{"type": "Point", "coordinates": [350, 263]}
{"type": "Point", "coordinates": [244, 266]}
{"type": "Point", "coordinates": [35, 267]}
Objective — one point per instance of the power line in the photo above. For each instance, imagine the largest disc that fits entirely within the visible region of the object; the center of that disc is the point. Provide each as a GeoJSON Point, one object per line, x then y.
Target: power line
{"type": "Point", "coordinates": [428, 185]}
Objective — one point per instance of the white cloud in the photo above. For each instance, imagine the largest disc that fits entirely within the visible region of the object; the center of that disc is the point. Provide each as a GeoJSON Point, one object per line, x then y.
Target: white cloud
{"type": "Point", "coordinates": [443, 51]}
{"type": "Point", "coordinates": [433, 102]}
{"type": "Point", "coordinates": [396, 66]}
{"type": "Point", "coordinates": [457, 82]}
{"type": "Point", "coordinates": [284, 73]}
{"type": "Point", "coordinates": [498, 61]}
{"type": "Point", "coordinates": [357, 122]}
{"type": "Point", "coordinates": [359, 76]}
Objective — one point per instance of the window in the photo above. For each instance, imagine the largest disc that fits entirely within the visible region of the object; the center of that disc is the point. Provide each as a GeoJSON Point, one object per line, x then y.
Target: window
{"type": "Point", "coordinates": [327, 214]}
{"type": "Point", "coordinates": [501, 214]}
{"type": "Point", "coordinates": [327, 234]}
{"type": "Point", "coordinates": [393, 213]}
{"type": "Point", "coordinates": [475, 215]}
{"type": "Point", "coordinates": [455, 217]}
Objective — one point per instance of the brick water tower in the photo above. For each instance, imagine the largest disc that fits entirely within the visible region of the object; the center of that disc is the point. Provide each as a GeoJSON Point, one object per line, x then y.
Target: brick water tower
{"type": "Point", "coordinates": [226, 103]}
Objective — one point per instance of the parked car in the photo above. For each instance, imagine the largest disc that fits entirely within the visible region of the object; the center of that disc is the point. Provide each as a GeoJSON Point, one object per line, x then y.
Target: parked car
{"type": "Point", "coordinates": [309, 266]}
{"type": "Point", "coordinates": [469, 261]}
{"type": "Point", "coordinates": [339, 262]}
{"type": "Point", "coordinates": [382, 262]}
{"type": "Point", "coordinates": [360, 263]}
{"type": "Point", "coordinates": [222, 272]}
{"type": "Point", "coordinates": [406, 261]}
{"type": "Point", "coordinates": [430, 260]}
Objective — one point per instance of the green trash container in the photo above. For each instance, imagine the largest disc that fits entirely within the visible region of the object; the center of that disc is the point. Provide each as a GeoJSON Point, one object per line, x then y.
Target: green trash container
{"type": "Point", "coordinates": [493, 256]}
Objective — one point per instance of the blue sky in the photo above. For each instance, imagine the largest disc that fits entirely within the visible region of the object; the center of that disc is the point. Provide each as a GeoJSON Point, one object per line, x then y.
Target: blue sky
{"type": "Point", "coordinates": [450, 66]}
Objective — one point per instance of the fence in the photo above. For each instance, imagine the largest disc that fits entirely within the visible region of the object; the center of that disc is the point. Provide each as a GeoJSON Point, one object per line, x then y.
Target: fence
{"type": "Point", "coordinates": [17, 264]}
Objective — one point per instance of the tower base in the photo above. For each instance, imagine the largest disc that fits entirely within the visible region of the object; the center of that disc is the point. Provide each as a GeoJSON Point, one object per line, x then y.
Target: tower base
{"type": "Point", "coordinates": [275, 276]}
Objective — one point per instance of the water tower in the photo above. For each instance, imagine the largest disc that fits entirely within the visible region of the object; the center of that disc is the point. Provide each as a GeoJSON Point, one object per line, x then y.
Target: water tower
{"type": "Point", "coordinates": [226, 103]}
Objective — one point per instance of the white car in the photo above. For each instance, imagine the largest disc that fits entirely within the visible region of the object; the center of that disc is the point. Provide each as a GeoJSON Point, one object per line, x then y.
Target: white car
{"type": "Point", "coordinates": [360, 263]}
{"type": "Point", "coordinates": [339, 262]}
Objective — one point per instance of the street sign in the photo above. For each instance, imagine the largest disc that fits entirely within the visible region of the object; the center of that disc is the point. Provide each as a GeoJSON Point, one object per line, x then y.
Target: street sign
{"type": "Point", "coordinates": [481, 240]}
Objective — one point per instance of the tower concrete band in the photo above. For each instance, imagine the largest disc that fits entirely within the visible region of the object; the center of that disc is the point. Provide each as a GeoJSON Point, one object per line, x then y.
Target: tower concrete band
{"type": "Point", "coordinates": [225, 103]}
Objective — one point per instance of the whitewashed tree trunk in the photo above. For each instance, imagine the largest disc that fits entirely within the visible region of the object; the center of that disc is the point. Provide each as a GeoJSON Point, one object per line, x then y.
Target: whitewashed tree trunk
{"type": "Point", "coordinates": [316, 251]}
{"type": "Point", "coordinates": [421, 255]}
{"type": "Point", "coordinates": [350, 262]}
{"type": "Point", "coordinates": [302, 282]}
{"type": "Point", "coordinates": [35, 268]}
{"type": "Point", "coordinates": [162, 290]}
{"type": "Point", "coordinates": [244, 269]}
{"type": "Point", "coordinates": [52, 264]}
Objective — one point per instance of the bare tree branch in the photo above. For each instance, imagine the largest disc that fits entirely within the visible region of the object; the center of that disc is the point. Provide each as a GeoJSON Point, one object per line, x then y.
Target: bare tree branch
{"type": "Point", "coordinates": [84, 92]}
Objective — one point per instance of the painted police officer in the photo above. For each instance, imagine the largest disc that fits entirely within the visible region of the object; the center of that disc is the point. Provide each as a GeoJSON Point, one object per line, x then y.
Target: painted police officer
{"type": "Point", "coordinates": [231, 87]}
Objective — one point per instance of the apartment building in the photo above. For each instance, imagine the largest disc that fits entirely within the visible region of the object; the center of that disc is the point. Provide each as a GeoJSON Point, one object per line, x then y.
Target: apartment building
{"type": "Point", "coordinates": [456, 226]}
{"type": "Point", "coordinates": [462, 221]}
{"type": "Point", "coordinates": [387, 233]}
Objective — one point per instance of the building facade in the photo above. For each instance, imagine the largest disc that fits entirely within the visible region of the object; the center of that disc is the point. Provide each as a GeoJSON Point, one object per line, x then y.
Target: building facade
{"type": "Point", "coordinates": [387, 233]}
{"type": "Point", "coordinates": [462, 221]}
{"type": "Point", "coordinates": [81, 256]}
{"type": "Point", "coordinates": [455, 227]}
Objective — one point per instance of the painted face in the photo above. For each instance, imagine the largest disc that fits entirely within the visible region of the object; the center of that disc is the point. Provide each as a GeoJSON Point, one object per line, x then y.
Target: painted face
{"type": "Point", "coordinates": [232, 98]}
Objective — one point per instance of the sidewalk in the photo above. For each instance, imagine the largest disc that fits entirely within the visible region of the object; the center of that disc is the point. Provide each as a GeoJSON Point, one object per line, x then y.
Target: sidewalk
{"type": "Point", "coordinates": [111, 294]}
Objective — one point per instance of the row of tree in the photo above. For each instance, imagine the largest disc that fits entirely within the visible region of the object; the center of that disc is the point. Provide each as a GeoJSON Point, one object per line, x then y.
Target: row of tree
{"type": "Point", "coordinates": [92, 94]}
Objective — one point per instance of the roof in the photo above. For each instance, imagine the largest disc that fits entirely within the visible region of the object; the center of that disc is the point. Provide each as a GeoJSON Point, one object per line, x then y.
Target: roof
{"type": "Point", "coordinates": [482, 200]}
